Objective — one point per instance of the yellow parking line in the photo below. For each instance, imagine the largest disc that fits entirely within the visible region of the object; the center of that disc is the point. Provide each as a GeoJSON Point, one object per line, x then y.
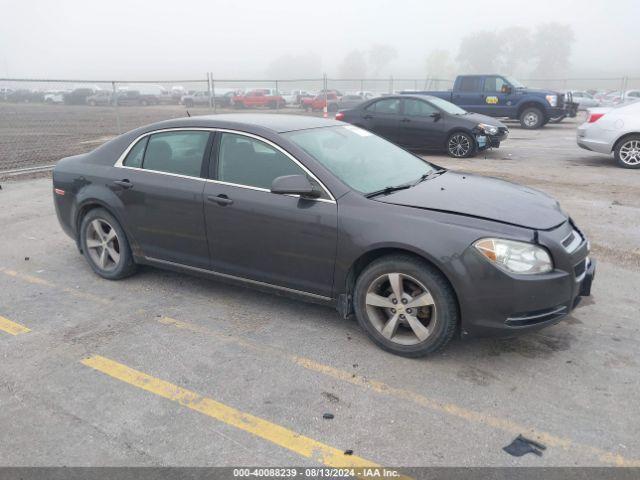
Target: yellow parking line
{"type": "Point", "coordinates": [446, 408]}
{"type": "Point", "coordinates": [259, 427]}
{"type": "Point", "coordinates": [13, 328]}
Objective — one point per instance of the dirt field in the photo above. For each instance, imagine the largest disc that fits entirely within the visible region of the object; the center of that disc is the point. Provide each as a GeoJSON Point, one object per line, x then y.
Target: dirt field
{"type": "Point", "coordinates": [69, 395]}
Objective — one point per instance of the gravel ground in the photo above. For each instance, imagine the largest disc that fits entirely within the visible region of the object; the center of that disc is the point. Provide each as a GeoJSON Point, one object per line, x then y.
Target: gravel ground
{"type": "Point", "coordinates": [570, 386]}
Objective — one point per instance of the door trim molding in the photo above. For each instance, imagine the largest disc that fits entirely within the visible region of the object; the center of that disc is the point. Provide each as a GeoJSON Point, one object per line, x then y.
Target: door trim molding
{"type": "Point", "coordinates": [238, 279]}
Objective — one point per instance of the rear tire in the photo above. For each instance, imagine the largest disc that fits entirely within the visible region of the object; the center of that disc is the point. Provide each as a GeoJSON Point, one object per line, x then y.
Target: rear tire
{"type": "Point", "coordinates": [531, 118]}
{"type": "Point", "coordinates": [423, 321]}
{"type": "Point", "coordinates": [105, 246]}
{"type": "Point", "coordinates": [627, 152]}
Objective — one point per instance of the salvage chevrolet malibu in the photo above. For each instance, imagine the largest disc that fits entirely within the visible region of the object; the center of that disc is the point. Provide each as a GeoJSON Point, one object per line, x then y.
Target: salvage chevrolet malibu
{"type": "Point", "coordinates": [332, 213]}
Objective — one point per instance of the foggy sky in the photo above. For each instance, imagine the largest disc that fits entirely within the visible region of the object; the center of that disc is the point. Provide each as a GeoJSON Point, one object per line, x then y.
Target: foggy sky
{"type": "Point", "coordinates": [115, 39]}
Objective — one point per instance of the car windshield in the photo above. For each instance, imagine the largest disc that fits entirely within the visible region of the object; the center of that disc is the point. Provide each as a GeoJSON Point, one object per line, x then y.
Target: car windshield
{"type": "Point", "coordinates": [362, 160]}
{"type": "Point", "coordinates": [514, 83]}
{"type": "Point", "coordinates": [447, 107]}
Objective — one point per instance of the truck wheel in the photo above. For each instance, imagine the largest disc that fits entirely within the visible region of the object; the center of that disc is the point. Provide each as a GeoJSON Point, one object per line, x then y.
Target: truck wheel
{"type": "Point", "coordinates": [531, 118]}
{"type": "Point", "coordinates": [627, 152]}
{"type": "Point", "coordinates": [405, 305]}
{"type": "Point", "coordinates": [461, 145]}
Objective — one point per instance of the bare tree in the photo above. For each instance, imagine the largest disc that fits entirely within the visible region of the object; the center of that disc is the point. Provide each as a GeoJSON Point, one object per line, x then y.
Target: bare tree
{"type": "Point", "coordinates": [479, 52]}
{"type": "Point", "coordinates": [380, 56]}
{"type": "Point", "coordinates": [353, 65]}
{"type": "Point", "coordinates": [439, 65]}
{"type": "Point", "coordinates": [515, 49]}
{"type": "Point", "coordinates": [552, 43]}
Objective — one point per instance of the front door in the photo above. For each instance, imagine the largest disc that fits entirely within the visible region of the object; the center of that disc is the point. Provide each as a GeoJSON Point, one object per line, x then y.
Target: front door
{"type": "Point", "coordinates": [382, 118]}
{"type": "Point", "coordinates": [422, 125]}
{"type": "Point", "coordinates": [161, 190]}
{"type": "Point", "coordinates": [281, 240]}
{"type": "Point", "coordinates": [496, 96]}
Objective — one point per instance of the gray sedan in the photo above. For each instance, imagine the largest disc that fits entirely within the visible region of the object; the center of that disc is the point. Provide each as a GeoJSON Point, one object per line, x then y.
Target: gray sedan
{"type": "Point", "coordinates": [331, 213]}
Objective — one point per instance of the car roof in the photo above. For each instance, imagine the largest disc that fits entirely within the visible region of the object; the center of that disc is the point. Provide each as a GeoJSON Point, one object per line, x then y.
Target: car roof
{"type": "Point", "coordinates": [278, 123]}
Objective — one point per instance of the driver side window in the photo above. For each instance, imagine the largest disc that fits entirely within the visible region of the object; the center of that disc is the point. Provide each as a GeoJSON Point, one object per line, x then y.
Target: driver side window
{"type": "Point", "coordinates": [250, 162]}
{"type": "Point", "coordinates": [494, 84]}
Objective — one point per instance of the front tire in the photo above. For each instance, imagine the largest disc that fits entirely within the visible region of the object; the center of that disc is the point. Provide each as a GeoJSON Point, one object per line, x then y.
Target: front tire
{"type": "Point", "coordinates": [532, 118]}
{"type": "Point", "coordinates": [406, 306]}
{"type": "Point", "coordinates": [461, 145]}
{"type": "Point", "coordinates": [105, 246]}
{"type": "Point", "coordinates": [627, 152]}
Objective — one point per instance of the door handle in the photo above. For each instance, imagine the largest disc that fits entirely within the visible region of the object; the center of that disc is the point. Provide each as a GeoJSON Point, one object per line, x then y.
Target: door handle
{"type": "Point", "coordinates": [368, 117]}
{"type": "Point", "coordinates": [405, 120]}
{"type": "Point", "coordinates": [220, 199]}
{"type": "Point", "coordinates": [124, 183]}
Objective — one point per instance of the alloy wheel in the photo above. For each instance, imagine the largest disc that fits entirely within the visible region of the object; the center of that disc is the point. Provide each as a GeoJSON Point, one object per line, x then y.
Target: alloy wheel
{"type": "Point", "coordinates": [102, 244]}
{"type": "Point", "coordinates": [401, 308]}
{"type": "Point", "coordinates": [459, 145]}
{"type": "Point", "coordinates": [630, 152]}
{"type": "Point", "coordinates": [531, 119]}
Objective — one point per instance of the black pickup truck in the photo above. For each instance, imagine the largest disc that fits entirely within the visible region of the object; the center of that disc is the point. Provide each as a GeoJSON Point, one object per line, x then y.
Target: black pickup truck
{"type": "Point", "coordinates": [504, 96]}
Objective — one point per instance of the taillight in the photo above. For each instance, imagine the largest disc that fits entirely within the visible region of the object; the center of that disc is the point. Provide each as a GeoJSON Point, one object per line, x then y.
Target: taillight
{"type": "Point", "coordinates": [339, 116]}
{"type": "Point", "coordinates": [594, 117]}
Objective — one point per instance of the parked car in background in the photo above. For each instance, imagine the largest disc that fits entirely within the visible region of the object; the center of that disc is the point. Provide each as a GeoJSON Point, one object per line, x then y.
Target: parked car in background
{"type": "Point", "coordinates": [619, 97]}
{"type": "Point", "coordinates": [221, 98]}
{"type": "Point", "coordinates": [347, 101]}
{"type": "Point", "coordinates": [584, 99]}
{"type": "Point", "coordinates": [366, 95]}
{"type": "Point", "coordinates": [317, 103]}
{"type": "Point", "coordinates": [613, 130]}
{"type": "Point", "coordinates": [260, 97]}
{"type": "Point", "coordinates": [295, 97]}
{"type": "Point", "coordinates": [176, 93]}
{"type": "Point", "coordinates": [101, 97]}
{"type": "Point", "coordinates": [54, 96]}
{"type": "Point", "coordinates": [135, 97]}
{"type": "Point", "coordinates": [422, 122]}
{"type": "Point", "coordinates": [24, 95]}
{"type": "Point", "coordinates": [503, 96]}
{"type": "Point", "coordinates": [5, 92]}
{"type": "Point", "coordinates": [322, 210]}
{"type": "Point", "coordinates": [78, 96]}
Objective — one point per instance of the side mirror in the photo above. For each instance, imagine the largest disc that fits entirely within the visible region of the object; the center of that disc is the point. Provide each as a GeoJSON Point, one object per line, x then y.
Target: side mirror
{"type": "Point", "coordinates": [435, 116]}
{"type": "Point", "coordinates": [506, 89]}
{"type": "Point", "coordinates": [294, 185]}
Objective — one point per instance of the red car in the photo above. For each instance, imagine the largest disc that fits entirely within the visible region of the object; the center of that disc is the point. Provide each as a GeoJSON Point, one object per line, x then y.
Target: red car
{"type": "Point", "coordinates": [261, 97]}
{"type": "Point", "coordinates": [317, 103]}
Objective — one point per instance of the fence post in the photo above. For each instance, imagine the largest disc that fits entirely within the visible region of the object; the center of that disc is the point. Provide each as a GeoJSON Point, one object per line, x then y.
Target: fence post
{"type": "Point", "coordinates": [326, 84]}
{"type": "Point", "coordinates": [277, 94]}
{"type": "Point", "coordinates": [211, 102]}
{"type": "Point", "coordinates": [390, 84]}
{"type": "Point", "coordinates": [114, 99]}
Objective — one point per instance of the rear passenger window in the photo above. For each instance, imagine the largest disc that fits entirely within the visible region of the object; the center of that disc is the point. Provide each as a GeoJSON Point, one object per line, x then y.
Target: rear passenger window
{"type": "Point", "coordinates": [469, 84]}
{"type": "Point", "coordinates": [246, 161]}
{"type": "Point", "coordinates": [134, 157]}
{"type": "Point", "coordinates": [389, 105]}
{"type": "Point", "coordinates": [176, 152]}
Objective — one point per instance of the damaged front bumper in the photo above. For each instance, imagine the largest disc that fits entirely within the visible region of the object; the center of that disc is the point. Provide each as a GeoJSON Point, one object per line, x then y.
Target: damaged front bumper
{"type": "Point", "coordinates": [485, 141]}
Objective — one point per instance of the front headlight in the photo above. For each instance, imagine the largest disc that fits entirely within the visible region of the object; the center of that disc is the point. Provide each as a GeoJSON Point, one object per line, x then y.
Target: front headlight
{"type": "Point", "coordinates": [515, 257]}
{"type": "Point", "coordinates": [488, 129]}
{"type": "Point", "coordinates": [553, 100]}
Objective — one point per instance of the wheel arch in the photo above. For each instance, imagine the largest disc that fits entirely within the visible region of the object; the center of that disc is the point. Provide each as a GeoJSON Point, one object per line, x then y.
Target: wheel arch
{"type": "Point", "coordinates": [531, 103]}
{"type": "Point", "coordinates": [366, 258]}
{"type": "Point", "coordinates": [622, 139]}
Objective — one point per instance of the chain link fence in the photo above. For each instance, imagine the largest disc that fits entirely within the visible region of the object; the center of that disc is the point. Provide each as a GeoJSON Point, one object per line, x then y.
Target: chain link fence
{"type": "Point", "coordinates": [42, 121]}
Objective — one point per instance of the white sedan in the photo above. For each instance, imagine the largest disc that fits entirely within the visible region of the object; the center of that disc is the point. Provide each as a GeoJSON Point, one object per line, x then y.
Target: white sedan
{"type": "Point", "coordinates": [614, 130]}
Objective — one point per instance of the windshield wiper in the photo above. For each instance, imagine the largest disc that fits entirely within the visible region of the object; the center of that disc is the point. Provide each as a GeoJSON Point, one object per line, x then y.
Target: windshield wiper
{"type": "Point", "coordinates": [387, 190]}
{"type": "Point", "coordinates": [430, 175]}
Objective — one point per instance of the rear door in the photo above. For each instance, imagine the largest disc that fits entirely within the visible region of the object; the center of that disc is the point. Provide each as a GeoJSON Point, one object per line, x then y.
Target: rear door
{"type": "Point", "coordinates": [421, 125]}
{"type": "Point", "coordinates": [161, 188]}
{"type": "Point", "coordinates": [382, 117]}
{"type": "Point", "coordinates": [468, 93]}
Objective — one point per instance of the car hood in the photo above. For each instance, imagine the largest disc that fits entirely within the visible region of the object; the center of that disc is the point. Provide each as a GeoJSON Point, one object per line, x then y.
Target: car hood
{"type": "Point", "coordinates": [482, 197]}
{"type": "Point", "coordinates": [475, 118]}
